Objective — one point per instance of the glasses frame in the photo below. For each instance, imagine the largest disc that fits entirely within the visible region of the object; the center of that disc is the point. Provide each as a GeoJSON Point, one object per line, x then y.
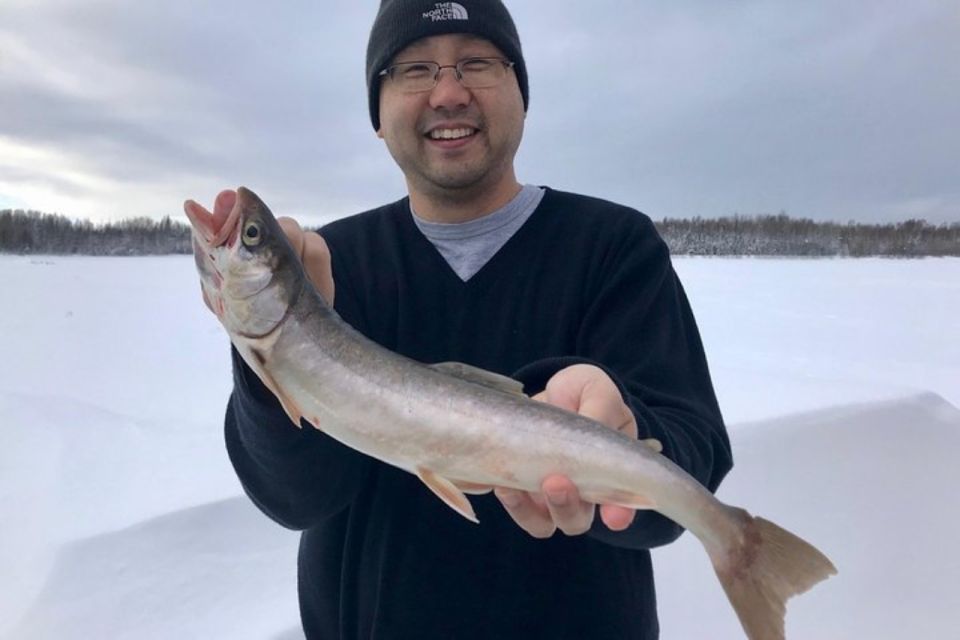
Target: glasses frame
{"type": "Point", "coordinates": [457, 69]}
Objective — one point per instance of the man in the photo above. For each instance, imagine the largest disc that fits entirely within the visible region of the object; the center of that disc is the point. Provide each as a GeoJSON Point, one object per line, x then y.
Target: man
{"type": "Point", "coordinates": [573, 296]}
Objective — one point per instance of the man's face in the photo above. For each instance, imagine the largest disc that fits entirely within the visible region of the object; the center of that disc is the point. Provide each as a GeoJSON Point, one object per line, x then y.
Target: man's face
{"type": "Point", "coordinates": [452, 138]}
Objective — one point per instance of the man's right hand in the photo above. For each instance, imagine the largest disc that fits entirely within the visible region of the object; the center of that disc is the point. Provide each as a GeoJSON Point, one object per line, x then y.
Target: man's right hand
{"type": "Point", "coordinates": [313, 252]}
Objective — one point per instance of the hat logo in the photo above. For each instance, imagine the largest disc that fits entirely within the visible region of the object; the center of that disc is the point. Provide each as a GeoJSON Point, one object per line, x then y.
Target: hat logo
{"type": "Point", "coordinates": [447, 11]}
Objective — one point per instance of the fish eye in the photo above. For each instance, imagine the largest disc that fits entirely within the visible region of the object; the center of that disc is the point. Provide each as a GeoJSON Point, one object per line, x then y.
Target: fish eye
{"type": "Point", "coordinates": [252, 234]}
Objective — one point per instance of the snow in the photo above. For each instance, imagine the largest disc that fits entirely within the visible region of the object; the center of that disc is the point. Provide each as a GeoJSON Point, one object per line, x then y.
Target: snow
{"type": "Point", "coordinates": [121, 518]}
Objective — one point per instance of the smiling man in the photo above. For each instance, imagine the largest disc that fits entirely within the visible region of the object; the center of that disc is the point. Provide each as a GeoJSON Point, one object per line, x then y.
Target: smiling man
{"type": "Point", "coordinates": [454, 128]}
{"type": "Point", "coordinates": [571, 295]}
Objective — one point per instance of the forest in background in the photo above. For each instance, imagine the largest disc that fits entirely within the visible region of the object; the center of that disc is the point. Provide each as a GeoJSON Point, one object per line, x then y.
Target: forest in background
{"type": "Point", "coordinates": [32, 232]}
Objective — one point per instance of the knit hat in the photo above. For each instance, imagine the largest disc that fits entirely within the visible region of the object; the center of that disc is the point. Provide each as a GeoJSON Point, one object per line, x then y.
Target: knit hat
{"type": "Point", "coordinates": [401, 22]}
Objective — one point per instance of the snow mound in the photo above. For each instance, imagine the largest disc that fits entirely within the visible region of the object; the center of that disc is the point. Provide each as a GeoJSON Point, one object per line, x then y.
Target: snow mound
{"type": "Point", "coordinates": [220, 570]}
{"type": "Point", "coordinates": [874, 487]}
{"type": "Point", "coordinates": [71, 469]}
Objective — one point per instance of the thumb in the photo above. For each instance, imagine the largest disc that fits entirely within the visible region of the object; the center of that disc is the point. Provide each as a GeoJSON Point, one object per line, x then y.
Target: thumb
{"type": "Point", "coordinates": [291, 228]}
{"type": "Point", "coordinates": [316, 261]}
{"type": "Point", "coordinates": [313, 252]}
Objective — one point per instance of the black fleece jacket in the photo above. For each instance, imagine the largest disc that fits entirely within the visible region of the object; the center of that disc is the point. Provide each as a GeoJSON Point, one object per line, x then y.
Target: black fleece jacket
{"type": "Point", "coordinates": [381, 557]}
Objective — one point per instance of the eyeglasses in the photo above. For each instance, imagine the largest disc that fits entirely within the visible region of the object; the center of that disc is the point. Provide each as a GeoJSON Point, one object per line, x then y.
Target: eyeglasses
{"type": "Point", "coordinates": [472, 73]}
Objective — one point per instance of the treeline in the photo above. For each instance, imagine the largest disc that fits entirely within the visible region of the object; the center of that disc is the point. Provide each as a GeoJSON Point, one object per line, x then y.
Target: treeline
{"type": "Point", "coordinates": [31, 232]}
{"type": "Point", "coordinates": [44, 233]}
{"type": "Point", "coordinates": [781, 235]}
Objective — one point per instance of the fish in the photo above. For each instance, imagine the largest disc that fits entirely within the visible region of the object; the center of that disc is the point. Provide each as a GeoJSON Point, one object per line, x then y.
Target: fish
{"type": "Point", "coordinates": [464, 430]}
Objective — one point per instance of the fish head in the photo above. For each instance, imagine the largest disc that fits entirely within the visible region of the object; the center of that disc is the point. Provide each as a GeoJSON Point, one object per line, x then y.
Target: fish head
{"type": "Point", "coordinates": [250, 275]}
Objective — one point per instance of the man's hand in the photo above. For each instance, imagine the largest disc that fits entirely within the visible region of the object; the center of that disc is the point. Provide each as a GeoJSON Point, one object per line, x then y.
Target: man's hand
{"type": "Point", "coordinates": [589, 391]}
{"type": "Point", "coordinates": [313, 252]}
{"type": "Point", "coordinates": [309, 246]}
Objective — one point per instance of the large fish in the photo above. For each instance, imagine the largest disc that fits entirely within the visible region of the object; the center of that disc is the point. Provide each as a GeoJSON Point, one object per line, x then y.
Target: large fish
{"type": "Point", "coordinates": [462, 429]}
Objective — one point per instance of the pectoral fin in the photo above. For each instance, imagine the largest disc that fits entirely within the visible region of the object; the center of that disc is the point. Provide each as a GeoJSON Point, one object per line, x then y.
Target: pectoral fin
{"type": "Point", "coordinates": [291, 408]}
{"type": "Point", "coordinates": [448, 492]}
{"type": "Point", "coordinates": [256, 360]}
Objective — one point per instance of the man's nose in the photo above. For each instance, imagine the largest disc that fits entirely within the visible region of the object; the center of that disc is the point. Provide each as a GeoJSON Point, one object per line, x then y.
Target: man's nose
{"type": "Point", "coordinates": [449, 93]}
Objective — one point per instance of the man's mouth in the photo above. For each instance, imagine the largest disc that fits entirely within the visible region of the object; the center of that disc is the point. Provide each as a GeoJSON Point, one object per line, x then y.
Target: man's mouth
{"type": "Point", "coordinates": [451, 134]}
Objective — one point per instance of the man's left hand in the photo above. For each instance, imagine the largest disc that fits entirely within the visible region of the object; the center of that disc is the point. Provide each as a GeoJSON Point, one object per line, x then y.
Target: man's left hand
{"type": "Point", "coordinates": [589, 391]}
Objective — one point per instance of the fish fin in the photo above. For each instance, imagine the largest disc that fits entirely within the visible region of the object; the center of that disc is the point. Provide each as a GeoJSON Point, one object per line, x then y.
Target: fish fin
{"type": "Point", "coordinates": [289, 406]}
{"type": "Point", "coordinates": [256, 360]}
{"type": "Point", "coordinates": [472, 487]}
{"type": "Point", "coordinates": [448, 492]}
{"type": "Point", "coordinates": [619, 498]}
{"type": "Point", "coordinates": [652, 443]}
{"type": "Point", "coordinates": [479, 376]}
{"type": "Point", "coordinates": [761, 568]}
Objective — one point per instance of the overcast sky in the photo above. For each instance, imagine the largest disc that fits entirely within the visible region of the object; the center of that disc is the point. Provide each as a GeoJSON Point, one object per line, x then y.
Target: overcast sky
{"type": "Point", "coordinates": [828, 109]}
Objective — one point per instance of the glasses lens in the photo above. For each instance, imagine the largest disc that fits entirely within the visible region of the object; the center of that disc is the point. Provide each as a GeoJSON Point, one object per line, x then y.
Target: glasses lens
{"type": "Point", "coordinates": [414, 76]}
{"type": "Point", "coordinates": [474, 73]}
{"type": "Point", "coordinates": [478, 73]}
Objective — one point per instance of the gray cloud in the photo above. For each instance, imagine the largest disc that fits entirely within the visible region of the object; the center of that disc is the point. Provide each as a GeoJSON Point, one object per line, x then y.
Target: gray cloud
{"type": "Point", "coordinates": [832, 110]}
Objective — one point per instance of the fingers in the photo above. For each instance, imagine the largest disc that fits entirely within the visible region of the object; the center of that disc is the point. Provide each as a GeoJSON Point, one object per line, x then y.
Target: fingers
{"type": "Point", "coordinates": [527, 513]}
{"type": "Point", "coordinates": [314, 254]}
{"type": "Point", "coordinates": [615, 517]}
{"type": "Point", "coordinates": [558, 507]}
{"type": "Point", "coordinates": [589, 391]}
{"type": "Point", "coordinates": [572, 515]}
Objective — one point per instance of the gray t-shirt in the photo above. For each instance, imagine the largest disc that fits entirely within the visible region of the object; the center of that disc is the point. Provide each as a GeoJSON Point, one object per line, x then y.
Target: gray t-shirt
{"type": "Point", "coordinates": [467, 246]}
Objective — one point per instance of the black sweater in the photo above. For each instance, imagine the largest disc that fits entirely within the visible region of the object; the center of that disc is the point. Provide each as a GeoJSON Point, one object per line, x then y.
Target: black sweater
{"type": "Point", "coordinates": [380, 556]}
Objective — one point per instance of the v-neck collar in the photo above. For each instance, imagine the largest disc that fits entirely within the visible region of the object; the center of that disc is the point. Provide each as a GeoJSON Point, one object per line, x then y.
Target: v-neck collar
{"type": "Point", "coordinates": [493, 266]}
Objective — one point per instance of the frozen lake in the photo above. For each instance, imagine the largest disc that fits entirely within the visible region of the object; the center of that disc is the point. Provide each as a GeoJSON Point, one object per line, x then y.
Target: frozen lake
{"type": "Point", "coordinates": [121, 518]}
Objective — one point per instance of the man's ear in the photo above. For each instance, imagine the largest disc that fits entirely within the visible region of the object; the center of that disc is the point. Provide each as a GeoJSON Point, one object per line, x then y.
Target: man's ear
{"type": "Point", "coordinates": [380, 133]}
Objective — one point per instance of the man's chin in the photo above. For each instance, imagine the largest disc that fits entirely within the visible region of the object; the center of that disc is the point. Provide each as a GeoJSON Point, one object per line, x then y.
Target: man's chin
{"type": "Point", "coordinates": [459, 180]}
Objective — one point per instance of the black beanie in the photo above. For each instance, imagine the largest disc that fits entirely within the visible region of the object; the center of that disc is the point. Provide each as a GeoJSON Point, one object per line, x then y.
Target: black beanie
{"type": "Point", "coordinates": [401, 22]}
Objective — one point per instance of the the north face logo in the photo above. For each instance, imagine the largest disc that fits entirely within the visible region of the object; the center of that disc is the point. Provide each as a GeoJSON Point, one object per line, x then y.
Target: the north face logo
{"type": "Point", "coordinates": [447, 11]}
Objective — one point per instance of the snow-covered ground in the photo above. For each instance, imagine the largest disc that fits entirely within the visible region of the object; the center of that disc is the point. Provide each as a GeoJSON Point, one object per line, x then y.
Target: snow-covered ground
{"type": "Point", "coordinates": [121, 518]}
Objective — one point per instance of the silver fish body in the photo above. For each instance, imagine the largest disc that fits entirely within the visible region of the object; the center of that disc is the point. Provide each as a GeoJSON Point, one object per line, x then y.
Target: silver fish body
{"type": "Point", "coordinates": [462, 429]}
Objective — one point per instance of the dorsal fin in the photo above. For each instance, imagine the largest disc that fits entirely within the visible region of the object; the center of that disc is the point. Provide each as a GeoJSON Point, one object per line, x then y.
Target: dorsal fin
{"type": "Point", "coordinates": [479, 376]}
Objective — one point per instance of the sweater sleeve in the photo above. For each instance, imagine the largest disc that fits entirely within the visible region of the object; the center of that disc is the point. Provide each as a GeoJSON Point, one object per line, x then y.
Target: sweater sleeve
{"type": "Point", "coordinates": [638, 326]}
{"type": "Point", "coordinates": [296, 476]}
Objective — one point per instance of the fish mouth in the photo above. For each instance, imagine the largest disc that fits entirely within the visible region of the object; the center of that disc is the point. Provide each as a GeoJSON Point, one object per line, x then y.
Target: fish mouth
{"type": "Point", "coordinates": [221, 226]}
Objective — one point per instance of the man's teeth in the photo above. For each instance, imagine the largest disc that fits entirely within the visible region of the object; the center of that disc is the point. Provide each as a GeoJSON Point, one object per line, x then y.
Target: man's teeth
{"type": "Point", "coordinates": [450, 134]}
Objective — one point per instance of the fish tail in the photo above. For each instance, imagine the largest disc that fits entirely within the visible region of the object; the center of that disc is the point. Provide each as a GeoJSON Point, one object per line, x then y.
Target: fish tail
{"type": "Point", "coordinates": [761, 568]}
